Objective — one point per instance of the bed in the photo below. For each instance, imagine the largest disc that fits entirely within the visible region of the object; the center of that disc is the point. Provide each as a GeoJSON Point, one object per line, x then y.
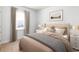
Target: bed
{"type": "Point", "coordinates": [54, 41]}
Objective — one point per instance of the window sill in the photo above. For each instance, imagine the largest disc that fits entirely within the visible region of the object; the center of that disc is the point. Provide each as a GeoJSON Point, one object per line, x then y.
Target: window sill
{"type": "Point", "coordinates": [19, 29]}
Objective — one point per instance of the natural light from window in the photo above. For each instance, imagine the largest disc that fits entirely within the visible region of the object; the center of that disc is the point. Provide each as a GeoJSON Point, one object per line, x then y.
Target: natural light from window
{"type": "Point", "coordinates": [20, 18]}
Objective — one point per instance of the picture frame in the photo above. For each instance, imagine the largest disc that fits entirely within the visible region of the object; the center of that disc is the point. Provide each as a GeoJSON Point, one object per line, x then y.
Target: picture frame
{"type": "Point", "coordinates": [56, 15]}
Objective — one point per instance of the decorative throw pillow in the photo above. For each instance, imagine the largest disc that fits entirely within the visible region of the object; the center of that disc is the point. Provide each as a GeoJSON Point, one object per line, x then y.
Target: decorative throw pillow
{"type": "Point", "coordinates": [60, 30]}
{"type": "Point", "coordinates": [48, 29]}
{"type": "Point", "coordinates": [65, 36]}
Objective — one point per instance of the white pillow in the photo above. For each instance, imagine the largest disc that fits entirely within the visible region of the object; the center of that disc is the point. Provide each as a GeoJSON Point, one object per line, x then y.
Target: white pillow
{"type": "Point", "coordinates": [48, 29]}
{"type": "Point", "coordinates": [59, 31]}
{"type": "Point", "coordinates": [65, 36]}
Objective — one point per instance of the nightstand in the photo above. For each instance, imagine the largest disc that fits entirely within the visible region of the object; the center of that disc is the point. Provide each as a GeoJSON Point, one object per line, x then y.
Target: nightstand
{"type": "Point", "coordinates": [74, 40]}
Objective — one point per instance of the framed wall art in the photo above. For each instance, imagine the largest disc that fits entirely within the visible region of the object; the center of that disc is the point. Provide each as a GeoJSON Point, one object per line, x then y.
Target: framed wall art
{"type": "Point", "coordinates": [56, 15]}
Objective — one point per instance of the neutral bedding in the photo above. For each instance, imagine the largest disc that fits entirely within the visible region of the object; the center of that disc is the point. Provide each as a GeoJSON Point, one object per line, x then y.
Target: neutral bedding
{"type": "Point", "coordinates": [54, 37]}
{"type": "Point", "coordinates": [52, 40]}
{"type": "Point", "coordinates": [38, 42]}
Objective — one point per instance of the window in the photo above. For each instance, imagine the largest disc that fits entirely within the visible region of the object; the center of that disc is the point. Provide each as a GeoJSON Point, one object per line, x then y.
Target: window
{"type": "Point", "coordinates": [20, 18]}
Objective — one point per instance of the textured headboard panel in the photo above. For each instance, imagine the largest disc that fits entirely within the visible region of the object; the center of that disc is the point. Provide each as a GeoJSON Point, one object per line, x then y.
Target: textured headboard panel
{"type": "Point", "coordinates": [58, 25]}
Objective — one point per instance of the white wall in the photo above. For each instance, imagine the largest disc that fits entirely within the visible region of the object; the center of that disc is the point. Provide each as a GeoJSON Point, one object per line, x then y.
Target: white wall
{"type": "Point", "coordinates": [0, 23]}
{"type": "Point", "coordinates": [5, 23]}
{"type": "Point", "coordinates": [70, 14]}
{"type": "Point", "coordinates": [6, 18]}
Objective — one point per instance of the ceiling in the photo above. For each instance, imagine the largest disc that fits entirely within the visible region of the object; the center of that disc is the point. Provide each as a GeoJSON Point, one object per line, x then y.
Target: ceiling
{"type": "Point", "coordinates": [37, 7]}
